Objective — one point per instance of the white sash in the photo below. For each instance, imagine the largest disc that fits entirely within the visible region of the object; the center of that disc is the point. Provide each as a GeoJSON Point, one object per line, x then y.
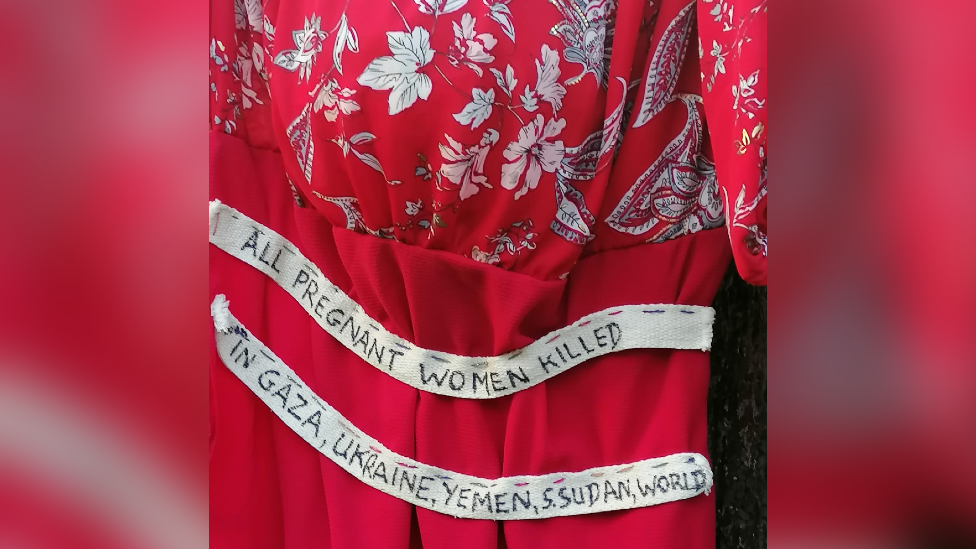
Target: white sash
{"type": "Point", "coordinates": [611, 488]}
{"type": "Point", "coordinates": [658, 326]}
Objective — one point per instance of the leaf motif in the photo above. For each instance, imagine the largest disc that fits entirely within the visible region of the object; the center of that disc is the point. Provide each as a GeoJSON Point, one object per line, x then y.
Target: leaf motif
{"type": "Point", "coordinates": [369, 160]}
{"type": "Point", "coordinates": [665, 66]}
{"type": "Point", "coordinates": [500, 80]}
{"type": "Point", "coordinates": [286, 60]}
{"type": "Point", "coordinates": [503, 16]}
{"type": "Point", "coordinates": [361, 137]}
{"type": "Point", "coordinates": [340, 43]}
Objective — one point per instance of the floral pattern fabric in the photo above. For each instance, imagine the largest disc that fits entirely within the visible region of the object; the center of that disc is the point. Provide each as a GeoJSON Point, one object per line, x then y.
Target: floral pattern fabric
{"type": "Point", "coordinates": [519, 133]}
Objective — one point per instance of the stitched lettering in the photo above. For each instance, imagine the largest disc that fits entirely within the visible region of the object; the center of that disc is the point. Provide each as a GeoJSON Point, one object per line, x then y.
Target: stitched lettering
{"type": "Point", "coordinates": [357, 454]}
{"type": "Point", "coordinates": [335, 447]}
{"type": "Point", "coordinates": [512, 376]}
{"type": "Point", "coordinates": [380, 472]}
{"type": "Point", "coordinates": [283, 393]}
{"type": "Point", "coordinates": [583, 344]}
{"type": "Point", "coordinates": [373, 351]}
{"type": "Point", "coordinates": [252, 242]}
{"type": "Point", "coordinates": [462, 497]}
{"type": "Point", "coordinates": [516, 497]}
{"type": "Point", "coordinates": [264, 252]}
{"type": "Point", "coordinates": [320, 305]}
{"type": "Point", "coordinates": [562, 494]}
{"type": "Point", "coordinates": [393, 355]}
{"type": "Point", "coordinates": [589, 489]}
{"type": "Point", "coordinates": [353, 330]}
{"type": "Point", "coordinates": [330, 317]}
{"type": "Point", "coordinates": [302, 278]}
{"type": "Point", "coordinates": [485, 501]}
{"type": "Point", "coordinates": [450, 493]}
{"type": "Point", "coordinates": [433, 375]}
{"type": "Point", "coordinates": [364, 339]}
{"type": "Point", "coordinates": [309, 292]}
{"type": "Point", "coordinates": [411, 482]}
{"type": "Point", "coordinates": [291, 409]}
{"type": "Point", "coordinates": [483, 378]}
{"type": "Point", "coordinates": [599, 338]}
{"type": "Point", "coordinates": [545, 496]}
{"type": "Point", "coordinates": [270, 384]}
{"type": "Point", "coordinates": [422, 488]}
{"type": "Point", "coordinates": [500, 503]}
{"type": "Point", "coordinates": [582, 499]}
{"type": "Point", "coordinates": [569, 352]}
{"type": "Point", "coordinates": [456, 386]}
{"type": "Point", "coordinates": [317, 416]}
{"type": "Point", "coordinates": [370, 461]}
{"type": "Point", "coordinates": [495, 382]}
{"type": "Point", "coordinates": [548, 361]}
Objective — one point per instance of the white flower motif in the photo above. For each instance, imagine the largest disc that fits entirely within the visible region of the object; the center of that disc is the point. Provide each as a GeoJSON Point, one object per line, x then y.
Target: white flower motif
{"type": "Point", "coordinates": [532, 154]}
{"type": "Point", "coordinates": [547, 86]}
{"type": "Point", "coordinates": [399, 72]}
{"type": "Point", "coordinates": [507, 81]}
{"type": "Point", "coordinates": [412, 208]}
{"type": "Point", "coordinates": [308, 43]}
{"type": "Point", "coordinates": [335, 100]}
{"type": "Point", "coordinates": [466, 167]}
{"type": "Point", "coordinates": [719, 56]}
{"type": "Point", "coordinates": [470, 48]}
{"type": "Point", "coordinates": [478, 110]}
{"type": "Point", "coordinates": [484, 257]}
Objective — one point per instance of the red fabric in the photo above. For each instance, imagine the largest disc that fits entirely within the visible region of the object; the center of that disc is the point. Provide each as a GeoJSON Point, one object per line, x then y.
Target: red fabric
{"type": "Point", "coordinates": [472, 214]}
{"type": "Point", "coordinates": [269, 488]}
{"type": "Point", "coordinates": [398, 140]}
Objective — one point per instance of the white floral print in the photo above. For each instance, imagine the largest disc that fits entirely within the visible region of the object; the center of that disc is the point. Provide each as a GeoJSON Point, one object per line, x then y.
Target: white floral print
{"type": "Point", "coordinates": [248, 13]}
{"type": "Point", "coordinates": [465, 166]}
{"type": "Point", "coordinates": [334, 100]}
{"type": "Point", "coordinates": [439, 7]}
{"type": "Point", "coordinates": [412, 208]}
{"type": "Point", "coordinates": [308, 43]}
{"type": "Point", "coordinates": [506, 82]}
{"type": "Point", "coordinates": [478, 110]}
{"type": "Point", "coordinates": [470, 48]}
{"type": "Point", "coordinates": [399, 73]}
{"type": "Point", "coordinates": [547, 86]}
{"type": "Point", "coordinates": [345, 38]}
{"type": "Point", "coordinates": [532, 154]}
{"type": "Point", "coordinates": [498, 10]}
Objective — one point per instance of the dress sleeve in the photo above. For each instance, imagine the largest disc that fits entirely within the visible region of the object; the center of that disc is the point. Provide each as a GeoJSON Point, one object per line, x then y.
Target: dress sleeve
{"type": "Point", "coordinates": [732, 47]}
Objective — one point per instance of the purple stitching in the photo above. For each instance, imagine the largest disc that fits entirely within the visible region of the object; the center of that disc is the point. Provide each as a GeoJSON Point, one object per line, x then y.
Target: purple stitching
{"type": "Point", "coordinates": [657, 311]}
{"type": "Point", "coordinates": [406, 465]}
{"type": "Point", "coordinates": [560, 480]}
{"type": "Point", "coordinates": [443, 477]}
{"type": "Point", "coordinates": [510, 357]}
{"type": "Point", "coordinates": [659, 465]}
{"type": "Point", "coordinates": [521, 483]}
{"type": "Point", "coordinates": [585, 323]}
{"type": "Point", "coordinates": [614, 313]}
{"type": "Point", "coordinates": [625, 469]}
{"type": "Point", "coordinates": [401, 345]}
{"type": "Point", "coordinates": [439, 359]}
{"type": "Point", "coordinates": [688, 312]}
{"type": "Point", "coordinates": [377, 450]}
{"type": "Point", "coordinates": [554, 338]}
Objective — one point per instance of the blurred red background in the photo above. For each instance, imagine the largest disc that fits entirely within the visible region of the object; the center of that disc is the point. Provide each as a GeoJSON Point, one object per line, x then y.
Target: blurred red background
{"type": "Point", "coordinates": [103, 326]}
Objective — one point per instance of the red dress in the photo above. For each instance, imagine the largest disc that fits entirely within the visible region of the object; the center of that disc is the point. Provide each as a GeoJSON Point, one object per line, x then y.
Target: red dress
{"type": "Point", "coordinates": [475, 175]}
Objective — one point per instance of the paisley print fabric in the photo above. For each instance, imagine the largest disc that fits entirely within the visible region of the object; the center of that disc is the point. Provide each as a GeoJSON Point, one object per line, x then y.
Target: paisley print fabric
{"type": "Point", "coordinates": [578, 126]}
